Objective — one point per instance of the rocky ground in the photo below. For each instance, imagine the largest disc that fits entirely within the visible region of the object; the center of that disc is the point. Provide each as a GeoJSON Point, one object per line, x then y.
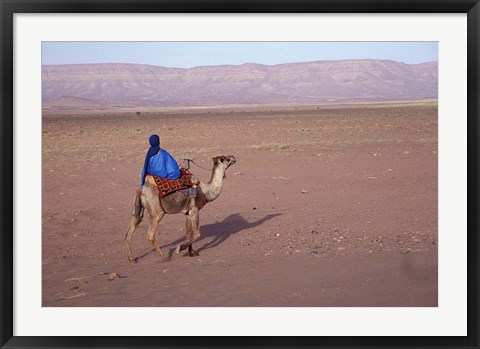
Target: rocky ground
{"type": "Point", "coordinates": [326, 206]}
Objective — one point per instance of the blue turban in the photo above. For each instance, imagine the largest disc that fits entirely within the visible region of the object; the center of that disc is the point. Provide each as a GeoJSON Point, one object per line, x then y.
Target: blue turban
{"type": "Point", "coordinates": [154, 141]}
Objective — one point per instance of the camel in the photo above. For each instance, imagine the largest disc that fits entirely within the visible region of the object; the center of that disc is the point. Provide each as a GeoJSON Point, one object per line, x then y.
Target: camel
{"type": "Point", "coordinates": [149, 199]}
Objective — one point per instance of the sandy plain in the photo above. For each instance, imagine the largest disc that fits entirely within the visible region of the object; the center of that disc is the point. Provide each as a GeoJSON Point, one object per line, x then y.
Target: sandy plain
{"type": "Point", "coordinates": [326, 206]}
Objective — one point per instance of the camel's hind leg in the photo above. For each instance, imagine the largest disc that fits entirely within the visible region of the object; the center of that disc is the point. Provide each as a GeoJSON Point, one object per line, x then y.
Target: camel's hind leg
{"type": "Point", "coordinates": [137, 216]}
{"type": "Point", "coordinates": [192, 231]}
{"type": "Point", "coordinates": [128, 236]}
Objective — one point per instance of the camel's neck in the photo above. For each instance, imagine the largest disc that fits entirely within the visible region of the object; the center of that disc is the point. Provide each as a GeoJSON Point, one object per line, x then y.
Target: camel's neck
{"type": "Point", "coordinates": [213, 188]}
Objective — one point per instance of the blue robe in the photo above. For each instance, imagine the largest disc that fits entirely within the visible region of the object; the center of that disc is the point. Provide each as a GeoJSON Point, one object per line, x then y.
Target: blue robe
{"type": "Point", "coordinates": [162, 165]}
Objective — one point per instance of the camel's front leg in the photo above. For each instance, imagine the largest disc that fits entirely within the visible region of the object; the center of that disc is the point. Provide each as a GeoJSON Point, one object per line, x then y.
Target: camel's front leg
{"type": "Point", "coordinates": [192, 231]}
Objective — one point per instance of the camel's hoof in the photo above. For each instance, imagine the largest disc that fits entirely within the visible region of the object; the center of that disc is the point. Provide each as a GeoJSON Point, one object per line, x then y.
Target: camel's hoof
{"type": "Point", "coordinates": [193, 253]}
{"type": "Point", "coordinates": [131, 260]}
{"type": "Point", "coordinates": [177, 250]}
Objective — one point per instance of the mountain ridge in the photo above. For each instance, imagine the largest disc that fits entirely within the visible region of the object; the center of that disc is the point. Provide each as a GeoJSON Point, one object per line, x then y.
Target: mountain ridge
{"type": "Point", "coordinates": [248, 83]}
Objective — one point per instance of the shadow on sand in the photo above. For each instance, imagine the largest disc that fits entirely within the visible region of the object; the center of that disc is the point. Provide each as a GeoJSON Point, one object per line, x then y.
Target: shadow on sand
{"type": "Point", "coordinates": [231, 225]}
{"type": "Point", "coordinates": [220, 231]}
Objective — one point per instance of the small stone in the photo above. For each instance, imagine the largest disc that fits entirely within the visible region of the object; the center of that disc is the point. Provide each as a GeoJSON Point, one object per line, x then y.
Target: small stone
{"type": "Point", "coordinates": [341, 248]}
{"type": "Point", "coordinates": [113, 276]}
{"type": "Point", "coordinates": [304, 191]}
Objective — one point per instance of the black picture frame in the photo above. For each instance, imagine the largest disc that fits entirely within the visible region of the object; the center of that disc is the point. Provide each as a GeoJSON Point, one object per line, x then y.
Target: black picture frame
{"type": "Point", "coordinates": [7, 10]}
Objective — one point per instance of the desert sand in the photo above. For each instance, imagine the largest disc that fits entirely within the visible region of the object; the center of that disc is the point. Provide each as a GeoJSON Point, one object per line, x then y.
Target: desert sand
{"type": "Point", "coordinates": [325, 206]}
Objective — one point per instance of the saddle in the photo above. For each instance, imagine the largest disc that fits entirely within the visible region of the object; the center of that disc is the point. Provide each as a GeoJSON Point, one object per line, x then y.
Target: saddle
{"type": "Point", "coordinates": [167, 186]}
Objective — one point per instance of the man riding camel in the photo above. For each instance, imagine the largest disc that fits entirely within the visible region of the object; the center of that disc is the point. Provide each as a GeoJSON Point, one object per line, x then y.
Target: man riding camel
{"type": "Point", "coordinates": [159, 162]}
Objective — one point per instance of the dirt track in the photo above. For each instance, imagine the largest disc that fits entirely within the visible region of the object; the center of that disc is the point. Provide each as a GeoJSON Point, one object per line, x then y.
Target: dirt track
{"type": "Point", "coordinates": [326, 206]}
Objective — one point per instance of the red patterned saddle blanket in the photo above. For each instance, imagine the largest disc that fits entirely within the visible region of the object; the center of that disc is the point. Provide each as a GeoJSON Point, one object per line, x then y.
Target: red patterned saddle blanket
{"type": "Point", "coordinates": [167, 186]}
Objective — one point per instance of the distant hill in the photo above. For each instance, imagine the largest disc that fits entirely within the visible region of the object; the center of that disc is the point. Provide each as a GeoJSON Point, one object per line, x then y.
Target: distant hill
{"type": "Point", "coordinates": [309, 82]}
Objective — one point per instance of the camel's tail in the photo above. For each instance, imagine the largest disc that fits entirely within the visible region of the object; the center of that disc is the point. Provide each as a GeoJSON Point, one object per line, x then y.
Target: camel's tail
{"type": "Point", "coordinates": [137, 215]}
{"type": "Point", "coordinates": [137, 207]}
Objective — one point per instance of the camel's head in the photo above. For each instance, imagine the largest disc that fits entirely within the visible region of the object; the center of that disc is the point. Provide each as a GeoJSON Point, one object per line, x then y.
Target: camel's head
{"type": "Point", "coordinates": [225, 160]}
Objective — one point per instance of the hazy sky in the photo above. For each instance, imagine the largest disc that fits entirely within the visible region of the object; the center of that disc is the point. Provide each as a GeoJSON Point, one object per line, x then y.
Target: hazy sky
{"type": "Point", "coordinates": [191, 54]}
